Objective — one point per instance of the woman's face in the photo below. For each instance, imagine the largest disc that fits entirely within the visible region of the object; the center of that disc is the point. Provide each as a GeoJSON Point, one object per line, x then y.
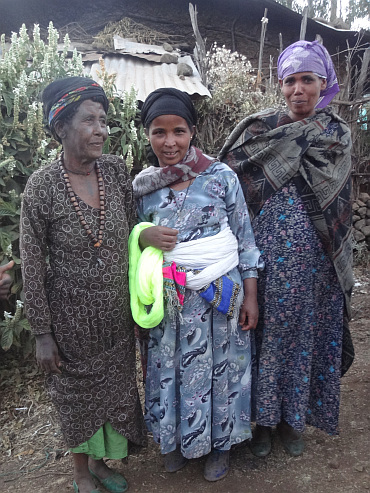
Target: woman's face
{"type": "Point", "coordinates": [170, 138]}
{"type": "Point", "coordinates": [83, 137]}
{"type": "Point", "coordinates": [301, 92]}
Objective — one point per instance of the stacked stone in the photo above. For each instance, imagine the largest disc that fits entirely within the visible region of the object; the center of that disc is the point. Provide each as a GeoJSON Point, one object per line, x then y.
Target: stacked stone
{"type": "Point", "coordinates": [361, 219]}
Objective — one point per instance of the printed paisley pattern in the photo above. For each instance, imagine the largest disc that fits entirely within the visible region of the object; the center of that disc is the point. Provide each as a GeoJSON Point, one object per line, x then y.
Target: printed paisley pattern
{"type": "Point", "coordinates": [198, 377]}
{"type": "Point", "coordinates": [84, 301]}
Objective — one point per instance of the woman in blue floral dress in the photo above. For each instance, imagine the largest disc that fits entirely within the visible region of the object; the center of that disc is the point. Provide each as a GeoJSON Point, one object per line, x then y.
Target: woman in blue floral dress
{"type": "Point", "coordinates": [199, 363]}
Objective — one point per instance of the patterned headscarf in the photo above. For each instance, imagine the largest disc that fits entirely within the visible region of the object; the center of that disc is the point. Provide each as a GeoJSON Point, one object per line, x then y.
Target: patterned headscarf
{"type": "Point", "coordinates": [61, 93]}
{"type": "Point", "coordinates": [168, 101]}
{"type": "Point", "coordinates": [306, 56]}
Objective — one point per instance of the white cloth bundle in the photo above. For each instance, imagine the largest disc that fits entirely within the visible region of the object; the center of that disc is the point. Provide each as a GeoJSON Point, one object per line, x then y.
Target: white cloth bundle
{"type": "Point", "coordinates": [215, 255]}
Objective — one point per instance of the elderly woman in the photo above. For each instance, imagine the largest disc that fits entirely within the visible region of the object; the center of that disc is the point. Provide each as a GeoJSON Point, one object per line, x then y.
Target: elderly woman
{"type": "Point", "coordinates": [76, 218]}
{"type": "Point", "coordinates": [197, 399]}
{"type": "Point", "coordinates": [294, 168]}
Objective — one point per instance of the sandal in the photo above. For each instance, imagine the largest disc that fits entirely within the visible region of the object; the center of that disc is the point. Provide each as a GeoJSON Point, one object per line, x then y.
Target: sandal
{"type": "Point", "coordinates": [291, 439]}
{"type": "Point", "coordinates": [115, 483]}
{"type": "Point", "coordinates": [75, 487]}
{"type": "Point", "coordinates": [174, 461]}
{"type": "Point", "coordinates": [217, 465]}
{"type": "Point", "coordinates": [261, 441]}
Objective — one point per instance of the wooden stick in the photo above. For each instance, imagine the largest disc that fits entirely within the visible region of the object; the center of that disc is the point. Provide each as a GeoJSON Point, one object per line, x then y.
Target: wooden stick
{"type": "Point", "coordinates": [200, 48]}
{"type": "Point", "coordinates": [304, 23]}
{"type": "Point", "coordinates": [264, 21]}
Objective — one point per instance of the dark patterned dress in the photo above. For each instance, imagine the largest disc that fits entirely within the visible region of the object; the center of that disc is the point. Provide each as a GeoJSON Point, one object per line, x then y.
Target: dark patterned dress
{"type": "Point", "coordinates": [80, 294]}
{"type": "Point", "coordinates": [299, 334]}
{"type": "Point", "coordinates": [298, 340]}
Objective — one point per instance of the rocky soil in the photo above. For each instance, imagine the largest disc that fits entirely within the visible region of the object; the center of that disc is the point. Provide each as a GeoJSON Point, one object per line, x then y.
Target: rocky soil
{"type": "Point", "coordinates": [34, 459]}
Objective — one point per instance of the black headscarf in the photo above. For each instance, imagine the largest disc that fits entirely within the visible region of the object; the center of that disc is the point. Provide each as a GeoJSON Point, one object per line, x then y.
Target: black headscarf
{"type": "Point", "coordinates": [168, 101]}
{"type": "Point", "coordinates": [60, 96]}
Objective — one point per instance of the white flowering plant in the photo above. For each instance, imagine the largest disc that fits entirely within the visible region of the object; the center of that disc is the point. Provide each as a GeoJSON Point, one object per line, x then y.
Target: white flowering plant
{"type": "Point", "coordinates": [126, 137]}
{"type": "Point", "coordinates": [27, 65]}
{"type": "Point", "coordinates": [232, 82]}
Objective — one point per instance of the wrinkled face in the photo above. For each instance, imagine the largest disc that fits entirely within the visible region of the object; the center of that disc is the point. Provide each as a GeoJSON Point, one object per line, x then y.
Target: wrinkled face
{"type": "Point", "coordinates": [83, 136]}
{"type": "Point", "coordinates": [301, 92]}
{"type": "Point", "coordinates": [170, 138]}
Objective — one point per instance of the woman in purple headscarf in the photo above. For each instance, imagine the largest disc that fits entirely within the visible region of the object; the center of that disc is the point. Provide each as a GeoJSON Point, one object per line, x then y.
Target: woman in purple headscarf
{"type": "Point", "coordinates": [294, 167]}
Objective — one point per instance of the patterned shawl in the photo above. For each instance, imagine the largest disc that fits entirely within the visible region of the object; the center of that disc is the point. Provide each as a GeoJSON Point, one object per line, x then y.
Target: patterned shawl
{"type": "Point", "coordinates": [315, 154]}
{"type": "Point", "coordinates": [151, 179]}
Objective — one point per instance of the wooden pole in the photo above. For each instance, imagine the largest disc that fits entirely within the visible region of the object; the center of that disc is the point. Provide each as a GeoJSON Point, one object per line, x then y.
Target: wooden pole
{"type": "Point", "coordinates": [304, 23]}
{"type": "Point", "coordinates": [364, 74]}
{"type": "Point", "coordinates": [200, 47]}
{"type": "Point", "coordinates": [264, 22]}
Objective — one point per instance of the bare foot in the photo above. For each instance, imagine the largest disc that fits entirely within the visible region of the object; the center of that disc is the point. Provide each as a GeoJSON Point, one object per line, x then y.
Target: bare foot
{"type": "Point", "coordinates": [85, 483]}
{"type": "Point", "coordinates": [100, 468]}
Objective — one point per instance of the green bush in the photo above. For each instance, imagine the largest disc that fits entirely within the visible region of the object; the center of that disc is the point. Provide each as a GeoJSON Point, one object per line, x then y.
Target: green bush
{"type": "Point", "coordinates": [126, 133]}
{"type": "Point", "coordinates": [233, 85]}
{"type": "Point", "coordinates": [26, 67]}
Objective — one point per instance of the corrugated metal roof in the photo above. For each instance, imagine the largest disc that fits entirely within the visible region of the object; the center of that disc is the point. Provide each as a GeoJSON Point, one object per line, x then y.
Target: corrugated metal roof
{"type": "Point", "coordinates": [138, 65]}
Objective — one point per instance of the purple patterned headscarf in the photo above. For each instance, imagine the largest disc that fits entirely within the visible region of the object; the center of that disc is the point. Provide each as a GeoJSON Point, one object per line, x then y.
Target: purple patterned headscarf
{"type": "Point", "coordinates": [307, 56]}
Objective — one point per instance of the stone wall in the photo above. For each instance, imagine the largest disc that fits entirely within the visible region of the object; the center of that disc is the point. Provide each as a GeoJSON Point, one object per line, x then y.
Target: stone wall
{"type": "Point", "coordinates": [361, 219]}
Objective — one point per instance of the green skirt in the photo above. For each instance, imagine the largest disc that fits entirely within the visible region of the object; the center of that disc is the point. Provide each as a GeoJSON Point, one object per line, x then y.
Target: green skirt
{"type": "Point", "coordinates": [106, 442]}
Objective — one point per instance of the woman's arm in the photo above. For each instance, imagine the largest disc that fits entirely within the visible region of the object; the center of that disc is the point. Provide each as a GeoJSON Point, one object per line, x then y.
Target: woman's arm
{"type": "Point", "coordinates": [240, 225]}
{"type": "Point", "coordinates": [248, 316]}
{"type": "Point", "coordinates": [249, 255]}
{"type": "Point", "coordinates": [33, 245]}
{"type": "Point", "coordinates": [159, 237]}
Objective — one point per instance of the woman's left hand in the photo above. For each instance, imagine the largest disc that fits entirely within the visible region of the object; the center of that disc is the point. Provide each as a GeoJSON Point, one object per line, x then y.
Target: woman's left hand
{"type": "Point", "coordinates": [248, 316]}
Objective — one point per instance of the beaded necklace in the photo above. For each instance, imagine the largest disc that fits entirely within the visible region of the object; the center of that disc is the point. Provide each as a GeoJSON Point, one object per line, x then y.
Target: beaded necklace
{"type": "Point", "coordinates": [97, 240]}
{"type": "Point", "coordinates": [173, 197]}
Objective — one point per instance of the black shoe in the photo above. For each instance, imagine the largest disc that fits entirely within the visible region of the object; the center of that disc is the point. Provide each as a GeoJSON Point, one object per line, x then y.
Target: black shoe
{"type": "Point", "coordinates": [174, 461]}
{"type": "Point", "coordinates": [291, 439]}
{"type": "Point", "coordinates": [261, 441]}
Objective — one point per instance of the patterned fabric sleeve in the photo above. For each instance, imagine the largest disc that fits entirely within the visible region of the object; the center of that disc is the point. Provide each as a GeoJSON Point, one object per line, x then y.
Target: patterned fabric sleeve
{"type": "Point", "coordinates": [126, 183]}
{"type": "Point", "coordinates": [140, 210]}
{"type": "Point", "coordinates": [239, 222]}
{"type": "Point", "coordinates": [33, 245]}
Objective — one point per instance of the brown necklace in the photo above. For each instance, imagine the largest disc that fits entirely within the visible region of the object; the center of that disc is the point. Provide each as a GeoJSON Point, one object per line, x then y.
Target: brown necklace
{"type": "Point", "coordinates": [83, 173]}
{"type": "Point", "coordinates": [97, 240]}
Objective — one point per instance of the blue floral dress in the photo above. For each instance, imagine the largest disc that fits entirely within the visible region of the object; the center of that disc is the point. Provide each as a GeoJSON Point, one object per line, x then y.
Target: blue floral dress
{"type": "Point", "coordinates": [198, 386]}
{"type": "Point", "coordinates": [299, 333]}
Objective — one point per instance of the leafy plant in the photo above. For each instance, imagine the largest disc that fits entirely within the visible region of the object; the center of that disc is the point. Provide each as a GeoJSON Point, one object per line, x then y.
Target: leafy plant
{"type": "Point", "coordinates": [233, 85]}
{"type": "Point", "coordinates": [28, 66]}
{"type": "Point", "coordinates": [25, 69]}
{"type": "Point", "coordinates": [126, 133]}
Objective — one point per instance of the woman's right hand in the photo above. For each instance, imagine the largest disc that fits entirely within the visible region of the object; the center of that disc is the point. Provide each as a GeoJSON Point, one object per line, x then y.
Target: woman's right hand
{"type": "Point", "coordinates": [159, 237]}
{"type": "Point", "coordinates": [5, 280]}
{"type": "Point", "coordinates": [47, 355]}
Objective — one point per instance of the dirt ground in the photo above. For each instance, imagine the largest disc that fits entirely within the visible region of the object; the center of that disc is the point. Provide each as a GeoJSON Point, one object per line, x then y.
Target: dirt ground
{"type": "Point", "coordinates": [33, 458]}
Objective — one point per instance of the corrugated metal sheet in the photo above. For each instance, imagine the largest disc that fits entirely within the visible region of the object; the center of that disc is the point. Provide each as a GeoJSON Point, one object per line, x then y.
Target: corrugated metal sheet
{"type": "Point", "coordinates": [147, 76]}
{"type": "Point", "coordinates": [132, 47]}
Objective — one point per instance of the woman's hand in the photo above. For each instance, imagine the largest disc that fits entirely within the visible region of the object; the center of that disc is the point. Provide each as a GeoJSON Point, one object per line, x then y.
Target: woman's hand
{"type": "Point", "coordinates": [47, 355]}
{"type": "Point", "coordinates": [248, 316]}
{"type": "Point", "coordinates": [5, 280]}
{"type": "Point", "coordinates": [159, 237]}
